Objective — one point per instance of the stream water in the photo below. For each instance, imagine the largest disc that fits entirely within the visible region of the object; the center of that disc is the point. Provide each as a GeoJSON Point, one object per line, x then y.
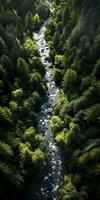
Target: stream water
{"type": "Point", "coordinates": [53, 176]}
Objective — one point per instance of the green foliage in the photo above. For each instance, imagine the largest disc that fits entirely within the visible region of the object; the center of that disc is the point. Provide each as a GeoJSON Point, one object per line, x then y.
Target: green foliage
{"type": "Point", "coordinates": [30, 48]}
{"type": "Point", "coordinates": [51, 26]}
{"type": "Point", "coordinates": [30, 157]}
{"type": "Point", "coordinates": [30, 132]}
{"type": "Point", "coordinates": [87, 98]}
{"type": "Point", "coordinates": [56, 38]}
{"type": "Point", "coordinates": [5, 150]}
{"type": "Point", "coordinates": [43, 10]}
{"type": "Point", "coordinates": [35, 80]}
{"type": "Point", "coordinates": [66, 15]}
{"type": "Point", "coordinates": [22, 90]}
{"type": "Point", "coordinates": [22, 69]}
{"type": "Point", "coordinates": [57, 76]}
{"type": "Point", "coordinates": [17, 94]}
{"type": "Point", "coordinates": [85, 83]}
{"type": "Point", "coordinates": [25, 153]}
{"type": "Point", "coordinates": [69, 192]}
{"type": "Point", "coordinates": [57, 124]}
{"type": "Point", "coordinates": [92, 114]}
{"type": "Point", "coordinates": [13, 106]}
{"type": "Point", "coordinates": [60, 137]}
{"type": "Point", "coordinates": [96, 71]}
{"type": "Point", "coordinates": [7, 64]}
{"type": "Point", "coordinates": [11, 174]}
{"type": "Point", "coordinates": [29, 23]}
{"type": "Point", "coordinates": [76, 37]}
{"type": "Point", "coordinates": [36, 21]}
{"type": "Point", "coordinates": [37, 156]}
{"type": "Point", "coordinates": [73, 135]}
{"type": "Point", "coordinates": [59, 59]}
{"type": "Point", "coordinates": [32, 137]}
{"type": "Point", "coordinates": [2, 46]}
{"type": "Point", "coordinates": [37, 65]}
{"type": "Point", "coordinates": [62, 100]}
{"type": "Point", "coordinates": [89, 157]}
{"type": "Point", "coordinates": [69, 80]}
{"type": "Point", "coordinates": [5, 116]}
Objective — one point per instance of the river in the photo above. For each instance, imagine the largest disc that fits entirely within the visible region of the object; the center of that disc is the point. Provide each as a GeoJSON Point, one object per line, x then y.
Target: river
{"type": "Point", "coordinates": [53, 176]}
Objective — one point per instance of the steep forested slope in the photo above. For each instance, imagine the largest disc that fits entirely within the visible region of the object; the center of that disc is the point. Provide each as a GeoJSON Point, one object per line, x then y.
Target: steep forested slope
{"type": "Point", "coordinates": [22, 91]}
{"type": "Point", "coordinates": [73, 34]}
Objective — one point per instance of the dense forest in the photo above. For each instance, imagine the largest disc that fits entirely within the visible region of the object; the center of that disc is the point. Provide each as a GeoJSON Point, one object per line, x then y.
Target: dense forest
{"type": "Point", "coordinates": [22, 91]}
{"type": "Point", "coordinates": [73, 37]}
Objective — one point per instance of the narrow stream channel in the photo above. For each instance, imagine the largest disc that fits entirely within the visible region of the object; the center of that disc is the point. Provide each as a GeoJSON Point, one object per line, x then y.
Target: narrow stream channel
{"type": "Point", "coordinates": [53, 177]}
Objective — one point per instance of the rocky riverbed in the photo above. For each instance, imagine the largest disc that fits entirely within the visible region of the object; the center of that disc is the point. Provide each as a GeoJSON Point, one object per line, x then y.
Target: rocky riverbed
{"type": "Point", "coordinates": [53, 176]}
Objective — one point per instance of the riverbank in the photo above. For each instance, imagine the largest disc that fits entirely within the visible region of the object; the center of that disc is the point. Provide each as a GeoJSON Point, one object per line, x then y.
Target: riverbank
{"type": "Point", "coordinates": [53, 175]}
